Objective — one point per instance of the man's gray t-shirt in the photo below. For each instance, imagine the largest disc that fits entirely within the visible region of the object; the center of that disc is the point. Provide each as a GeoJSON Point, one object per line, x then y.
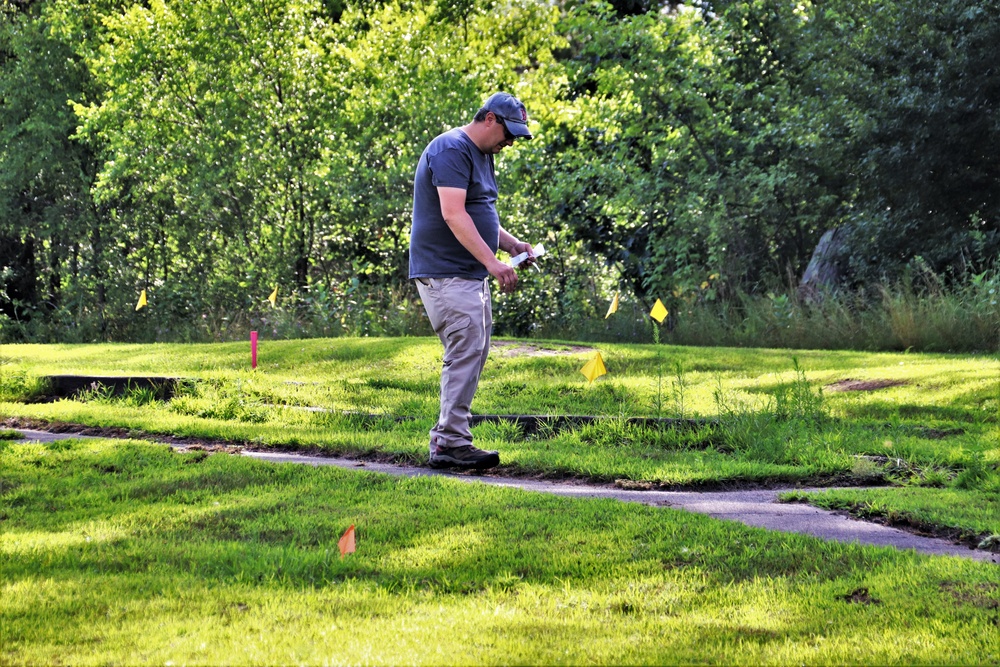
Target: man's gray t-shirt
{"type": "Point", "coordinates": [452, 160]}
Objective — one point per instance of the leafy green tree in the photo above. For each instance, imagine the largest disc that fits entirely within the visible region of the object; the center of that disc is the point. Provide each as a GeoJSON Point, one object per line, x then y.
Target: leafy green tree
{"type": "Point", "coordinates": [209, 151]}
{"type": "Point", "coordinates": [46, 208]}
{"type": "Point", "coordinates": [275, 142]}
{"type": "Point", "coordinates": [214, 122]}
{"type": "Point", "coordinates": [416, 72]}
{"type": "Point", "coordinates": [926, 77]}
{"type": "Point", "coordinates": [685, 150]}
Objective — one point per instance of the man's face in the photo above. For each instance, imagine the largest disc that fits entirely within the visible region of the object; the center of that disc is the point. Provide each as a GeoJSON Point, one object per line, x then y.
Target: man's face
{"type": "Point", "coordinates": [504, 138]}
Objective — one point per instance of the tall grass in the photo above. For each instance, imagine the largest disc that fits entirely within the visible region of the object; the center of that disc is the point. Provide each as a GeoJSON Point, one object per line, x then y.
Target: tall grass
{"type": "Point", "coordinates": [919, 313]}
{"type": "Point", "coordinates": [920, 316]}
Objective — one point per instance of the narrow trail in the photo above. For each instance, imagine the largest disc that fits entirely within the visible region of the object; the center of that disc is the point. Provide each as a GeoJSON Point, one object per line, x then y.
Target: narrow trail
{"type": "Point", "coordinates": [759, 508]}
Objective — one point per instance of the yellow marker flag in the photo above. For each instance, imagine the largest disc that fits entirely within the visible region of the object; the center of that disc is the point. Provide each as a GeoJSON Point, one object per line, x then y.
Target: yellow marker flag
{"type": "Point", "coordinates": [594, 368]}
{"type": "Point", "coordinates": [614, 306]}
{"type": "Point", "coordinates": [274, 297]}
{"type": "Point", "coordinates": [346, 542]}
{"type": "Point", "coordinates": [659, 312]}
{"type": "Point", "coordinates": [142, 300]}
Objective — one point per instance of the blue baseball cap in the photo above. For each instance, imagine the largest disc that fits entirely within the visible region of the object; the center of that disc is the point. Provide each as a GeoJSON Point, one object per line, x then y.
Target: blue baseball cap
{"type": "Point", "coordinates": [509, 109]}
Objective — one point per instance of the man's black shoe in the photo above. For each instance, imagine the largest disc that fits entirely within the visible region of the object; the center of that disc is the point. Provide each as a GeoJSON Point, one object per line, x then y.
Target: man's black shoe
{"type": "Point", "coordinates": [465, 456]}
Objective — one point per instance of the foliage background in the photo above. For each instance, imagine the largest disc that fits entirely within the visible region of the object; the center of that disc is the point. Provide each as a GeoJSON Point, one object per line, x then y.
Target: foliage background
{"type": "Point", "coordinates": [694, 152]}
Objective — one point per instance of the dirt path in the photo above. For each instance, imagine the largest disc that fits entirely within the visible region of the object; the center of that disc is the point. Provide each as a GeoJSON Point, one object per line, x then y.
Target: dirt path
{"type": "Point", "coordinates": [758, 508]}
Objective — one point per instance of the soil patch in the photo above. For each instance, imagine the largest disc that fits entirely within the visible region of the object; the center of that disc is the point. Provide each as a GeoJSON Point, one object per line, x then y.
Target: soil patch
{"type": "Point", "coordinates": [513, 470]}
{"type": "Point", "coordinates": [864, 385]}
{"type": "Point", "coordinates": [859, 596]}
{"type": "Point", "coordinates": [513, 348]}
{"type": "Point", "coordinates": [534, 424]}
{"type": "Point", "coordinates": [979, 595]}
{"type": "Point", "coordinates": [119, 434]}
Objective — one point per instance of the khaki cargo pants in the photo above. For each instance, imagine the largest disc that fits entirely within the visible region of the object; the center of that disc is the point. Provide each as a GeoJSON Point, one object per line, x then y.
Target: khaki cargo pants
{"type": "Point", "coordinates": [462, 317]}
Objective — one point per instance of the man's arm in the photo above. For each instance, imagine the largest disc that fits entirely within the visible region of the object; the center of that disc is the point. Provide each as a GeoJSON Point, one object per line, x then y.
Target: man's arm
{"type": "Point", "coordinates": [510, 243]}
{"type": "Point", "coordinates": [464, 229]}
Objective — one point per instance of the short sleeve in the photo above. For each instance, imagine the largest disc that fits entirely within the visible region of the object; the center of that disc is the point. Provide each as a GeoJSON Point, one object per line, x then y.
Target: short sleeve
{"type": "Point", "coordinates": [451, 168]}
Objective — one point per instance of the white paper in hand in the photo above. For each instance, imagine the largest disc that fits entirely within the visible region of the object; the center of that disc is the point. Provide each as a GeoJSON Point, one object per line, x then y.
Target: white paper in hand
{"type": "Point", "coordinates": [538, 251]}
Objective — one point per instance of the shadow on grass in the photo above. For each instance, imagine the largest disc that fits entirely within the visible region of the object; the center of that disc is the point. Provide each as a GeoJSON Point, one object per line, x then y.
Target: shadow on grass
{"type": "Point", "coordinates": [888, 411]}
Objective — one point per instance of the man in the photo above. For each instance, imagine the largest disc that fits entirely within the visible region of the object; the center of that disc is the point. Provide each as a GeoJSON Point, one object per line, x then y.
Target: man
{"type": "Point", "coordinates": [453, 243]}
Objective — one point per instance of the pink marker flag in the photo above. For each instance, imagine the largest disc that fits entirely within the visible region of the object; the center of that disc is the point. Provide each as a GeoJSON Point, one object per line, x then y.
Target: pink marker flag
{"type": "Point", "coordinates": [253, 349]}
{"type": "Point", "coordinates": [346, 542]}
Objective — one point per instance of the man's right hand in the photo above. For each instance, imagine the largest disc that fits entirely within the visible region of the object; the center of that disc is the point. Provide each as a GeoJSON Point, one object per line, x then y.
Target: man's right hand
{"type": "Point", "coordinates": [505, 275]}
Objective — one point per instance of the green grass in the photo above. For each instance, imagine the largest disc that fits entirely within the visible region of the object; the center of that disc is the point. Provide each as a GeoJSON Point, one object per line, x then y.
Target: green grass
{"type": "Point", "coordinates": [964, 515]}
{"type": "Point", "coordinates": [127, 552]}
{"type": "Point", "coordinates": [768, 417]}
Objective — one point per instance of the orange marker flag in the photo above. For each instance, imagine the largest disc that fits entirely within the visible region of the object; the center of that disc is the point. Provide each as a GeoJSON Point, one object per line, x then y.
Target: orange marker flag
{"type": "Point", "coordinates": [594, 368]}
{"type": "Point", "coordinates": [346, 542]}
{"type": "Point", "coordinates": [659, 312]}
{"type": "Point", "coordinates": [614, 306]}
{"type": "Point", "coordinates": [142, 300]}
{"type": "Point", "coordinates": [274, 297]}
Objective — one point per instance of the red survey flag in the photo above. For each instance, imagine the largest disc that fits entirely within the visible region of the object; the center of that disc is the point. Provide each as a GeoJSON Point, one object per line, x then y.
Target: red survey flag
{"type": "Point", "coordinates": [346, 542]}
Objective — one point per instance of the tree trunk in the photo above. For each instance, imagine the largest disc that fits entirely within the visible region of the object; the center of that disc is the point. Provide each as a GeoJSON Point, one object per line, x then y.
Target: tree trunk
{"type": "Point", "coordinates": [824, 272]}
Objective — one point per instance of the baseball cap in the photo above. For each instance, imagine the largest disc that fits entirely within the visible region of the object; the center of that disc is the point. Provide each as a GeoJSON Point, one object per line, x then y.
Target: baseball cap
{"type": "Point", "coordinates": [513, 113]}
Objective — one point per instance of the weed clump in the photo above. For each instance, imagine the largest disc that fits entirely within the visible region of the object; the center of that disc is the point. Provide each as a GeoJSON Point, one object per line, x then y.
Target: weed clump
{"type": "Point", "coordinates": [20, 387]}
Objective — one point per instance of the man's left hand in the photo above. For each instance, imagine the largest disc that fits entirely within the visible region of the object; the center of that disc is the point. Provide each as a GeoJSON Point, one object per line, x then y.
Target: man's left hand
{"type": "Point", "coordinates": [524, 247]}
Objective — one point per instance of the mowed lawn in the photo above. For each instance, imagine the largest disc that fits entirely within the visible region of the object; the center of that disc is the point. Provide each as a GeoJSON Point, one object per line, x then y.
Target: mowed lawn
{"type": "Point", "coordinates": [926, 423]}
{"type": "Point", "coordinates": [124, 551]}
{"type": "Point", "coordinates": [127, 552]}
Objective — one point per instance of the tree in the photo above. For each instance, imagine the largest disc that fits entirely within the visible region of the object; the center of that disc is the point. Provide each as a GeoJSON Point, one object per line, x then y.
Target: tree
{"type": "Point", "coordinates": [416, 72]}
{"type": "Point", "coordinates": [926, 76]}
{"type": "Point", "coordinates": [57, 233]}
{"type": "Point", "coordinates": [275, 142]}
{"type": "Point", "coordinates": [686, 149]}
{"type": "Point", "coordinates": [215, 122]}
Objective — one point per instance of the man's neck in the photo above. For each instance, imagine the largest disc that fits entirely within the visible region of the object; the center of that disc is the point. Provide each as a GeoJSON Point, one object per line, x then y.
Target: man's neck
{"type": "Point", "coordinates": [477, 132]}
